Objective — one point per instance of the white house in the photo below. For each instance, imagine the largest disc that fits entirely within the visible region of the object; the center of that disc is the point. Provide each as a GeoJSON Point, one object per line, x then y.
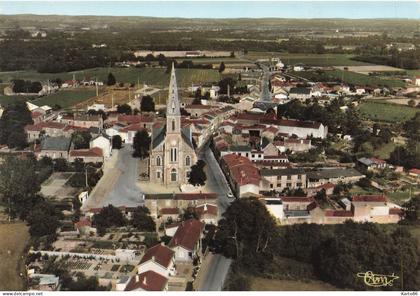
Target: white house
{"type": "Point", "coordinates": [159, 259]}
{"type": "Point", "coordinates": [186, 243]}
{"type": "Point", "coordinates": [104, 143]}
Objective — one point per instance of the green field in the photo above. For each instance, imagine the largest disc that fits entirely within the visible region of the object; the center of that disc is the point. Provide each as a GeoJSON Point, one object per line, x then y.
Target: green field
{"type": "Point", "coordinates": [151, 76]}
{"type": "Point", "coordinates": [386, 112]}
{"type": "Point", "coordinates": [64, 98]}
{"type": "Point", "coordinates": [308, 59]}
{"type": "Point", "coordinates": [350, 78]}
{"type": "Point", "coordinates": [385, 150]}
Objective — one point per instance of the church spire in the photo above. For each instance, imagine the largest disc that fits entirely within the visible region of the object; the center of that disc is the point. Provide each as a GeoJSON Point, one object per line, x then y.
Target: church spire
{"type": "Point", "coordinates": [173, 107]}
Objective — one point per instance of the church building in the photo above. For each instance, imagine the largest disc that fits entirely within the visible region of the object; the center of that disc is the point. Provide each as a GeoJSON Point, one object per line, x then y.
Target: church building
{"type": "Point", "coordinates": [172, 152]}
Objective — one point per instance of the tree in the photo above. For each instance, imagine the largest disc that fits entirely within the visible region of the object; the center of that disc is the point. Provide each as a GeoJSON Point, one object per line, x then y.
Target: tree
{"type": "Point", "coordinates": [116, 142]}
{"type": "Point", "coordinates": [107, 217]}
{"type": "Point", "coordinates": [43, 219]}
{"type": "Point", "coordinates": [412, 211]}
{"type": "Point", "coordinates": [224, 83]}
{"type": "Point", "coordinates": [18, 185]}
{"type": "Point", "coordinates": [81, 139]}
{"type": "Point", "coordinates": [124, 109]}
{"type": "Point", "coordinates": [147, 104]}
{"type": "Point", "coordinates": [411, 103]}
{"type": "Point", "coordinates": [222, 67]}
{"type": "Point", "coordinates": [12, 123]}
{"type": "Point", "coordinates": [111, 79]}
{"type": "Point", "coordinates": [142, 220]}
{"type": "Point", "coordinates": [237, 238]}
{"type": "Point", "coordinates": [141, 144]}
{"type": "Point", "coordinates": [84, 283]}
{"type": "Point", "coordinates": [197, 175]}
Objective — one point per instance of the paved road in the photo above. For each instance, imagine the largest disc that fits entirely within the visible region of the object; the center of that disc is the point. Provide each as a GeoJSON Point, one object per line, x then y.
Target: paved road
{"type": "Point", "coordinates": [218, 267]}
{"type": "Point", "coordinates": [126, 192]}
{"type": "Point", "coordinates": [118, 185]}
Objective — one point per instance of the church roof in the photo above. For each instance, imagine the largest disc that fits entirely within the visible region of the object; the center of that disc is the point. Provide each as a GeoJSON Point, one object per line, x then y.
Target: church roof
{"type": "Point", "coordinates": [159, 133]}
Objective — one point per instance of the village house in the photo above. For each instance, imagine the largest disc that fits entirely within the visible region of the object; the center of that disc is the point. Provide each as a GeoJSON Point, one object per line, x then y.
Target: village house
{"type": "Point", "coordinates": [279, 179]}
{"type": "Point", "coordinates": [186, 242]}
{"type": "Point", "coordinates": [300, 93]}
{"type": "Point", "coordinates": [242, 175]}
{"type": "Point", "coordinates": [197, 110]}
{"type": "Point", "coordinates": [54, 147]}
{"type": "Point", "coordinates": [159, 259]}
{"type": "Point", "coordinates": [332, 175]}
{"type": "Point", "coordinates": [147, 281]}
{"type": "Point", "coordinates": [207, 213]}
{"type": "Point", "coordinates": [83, 120]}
{"type": "Point", "coordinates": [372, 163]}
{"type": "Point", "coordinates": [49, 128]}
{"type": "Point", "coordinates": [102, 142]}
{"type": "Point", "coordinates": [92, 155]}
{"type": "Point", "coordinates": [375, 208]}
{"type": "Point", "coordinates": [156, 202]}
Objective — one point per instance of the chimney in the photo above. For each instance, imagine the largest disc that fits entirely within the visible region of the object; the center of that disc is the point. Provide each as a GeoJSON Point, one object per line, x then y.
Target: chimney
{"type": "Point", "coordinates": [137, 278]}
{"type": "Point", "coordinates": [162, 243]}
{"type": "Point", "coordinates": [144, 280]}
{"type": "Point", "coordinates": [153, 258]}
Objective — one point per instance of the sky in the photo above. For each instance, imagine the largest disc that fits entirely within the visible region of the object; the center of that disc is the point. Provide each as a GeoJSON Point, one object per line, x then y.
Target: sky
{"type": "Point", "coordinates": [221, 9]}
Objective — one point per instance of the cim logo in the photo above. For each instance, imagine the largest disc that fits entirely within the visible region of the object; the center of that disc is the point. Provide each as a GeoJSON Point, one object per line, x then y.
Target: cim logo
{"type": "Point", "coordinates": [377, 280]}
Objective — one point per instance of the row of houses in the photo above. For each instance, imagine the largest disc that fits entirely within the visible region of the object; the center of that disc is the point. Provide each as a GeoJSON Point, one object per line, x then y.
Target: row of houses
{"type": "Point", "coordinates": [246, 178]}
{"type": "Point", "coordinates": [360, 208]}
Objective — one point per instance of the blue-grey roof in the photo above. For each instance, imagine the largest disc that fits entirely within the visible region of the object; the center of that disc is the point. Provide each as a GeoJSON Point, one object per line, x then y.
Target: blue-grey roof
{"type": "Point", "coordinates": [56, 143]}
{"type": "Point", "coordinates": [158, 136]}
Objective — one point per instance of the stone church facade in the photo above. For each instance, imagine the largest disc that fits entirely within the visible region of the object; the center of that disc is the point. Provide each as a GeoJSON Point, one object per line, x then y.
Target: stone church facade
{"type": "Point", "coordinates": [172, 151]}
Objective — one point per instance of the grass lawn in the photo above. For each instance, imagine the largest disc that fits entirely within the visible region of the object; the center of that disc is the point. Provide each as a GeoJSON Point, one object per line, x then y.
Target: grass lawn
{"type": "Point", "coordinates": [386, 112]}
{"type": "Point", "coordinates": [262, 284]}
{"type": "Point", "coordinates": [357, 190]}
{"type": "Point", "coordinates": [308, 59]}
{"type": "Point", "coordinates": [151, 76]}
{"type": "Point", "coordinates": [65, 98]}
{"type": "Point", "coordinates": [14, 238]}
{"type": "Point", "coordinates": [7, 100]}
{"type": "Point", "coordinates": [399, 197]}
{"type": "Point", "coordinates": [385, 150]}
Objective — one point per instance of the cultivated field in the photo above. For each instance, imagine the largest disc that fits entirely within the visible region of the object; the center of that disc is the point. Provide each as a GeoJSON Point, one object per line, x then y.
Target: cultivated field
{"type": "Point", "coordinates": [308, 59]}
{"type": "Point", "coordinates": [386, 112]}
{"type": "Point", "coordinates": [371, 68]}
{"type": "Point", "coordinates": [65, 98]}
{"type": "Point", "coordinates": [14, 238]}
{"type": "Point", "coordinates": [262, 284]}
{"type": "Point", "coordinates": [151, 76]}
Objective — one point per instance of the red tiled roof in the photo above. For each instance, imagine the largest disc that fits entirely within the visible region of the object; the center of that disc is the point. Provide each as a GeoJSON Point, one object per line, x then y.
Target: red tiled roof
{"type": "Point", "coordinates": [149, 281]}
{"type": "Point", "coordinates": [133, 127]}
{"type": "Point", "coordinates": [93, 152]}
{"type": "Point", "coordinates": [396, 211]}
{"type": "Point", "coordinates": [195, 196]}
{"type": "Point", "coordinates": [369, 198]}
{"type": "Point", "coordinates": [159, 254]}
{"type": "Point", "coordinates": [334, 213]}
{"type": "Point", "coordinates": [414, 171]}
{"type": "Point", "coordinates": [197, 106]}
{"type": "Point", "coordinates": [187, 234]}
{"type": "Point", "coordinates": [42, 125]}
{"type": "Point", "coordinates": [135, 118]}
{"type": "Point", "coordinates": [326, 186]}
{"type": "Point", "coordinates": [296, 199]}
{"type": "Point", "coordinates": [82, 223]}
{"type": "Point", "coordinates": [36, 114]}
{"type": "Point", "coordinates": [292, 123]}
{"type": "Point", "coordinates": [242, 169]}
{"type": "Point", "coordinates": [206, 209]}
{"type": "Point", "coordinates": [378, 160]}
{"type": "Point", "coordinates": [169, 211]}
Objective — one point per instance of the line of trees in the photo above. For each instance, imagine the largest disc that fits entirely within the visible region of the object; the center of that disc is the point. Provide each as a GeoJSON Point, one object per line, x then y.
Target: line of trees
{"type": "Point", "coordinates": [332, 253]}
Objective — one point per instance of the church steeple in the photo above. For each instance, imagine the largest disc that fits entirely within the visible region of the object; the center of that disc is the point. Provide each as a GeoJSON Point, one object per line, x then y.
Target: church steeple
{"type": "Point", "coordinates": [173, 110]}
